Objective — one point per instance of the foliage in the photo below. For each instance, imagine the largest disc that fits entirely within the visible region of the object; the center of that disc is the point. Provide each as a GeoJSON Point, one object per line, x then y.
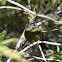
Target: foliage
{"type": "Point", "coordinates": [8, 41]}
{"type": "Point", "coordinates": [55, 55]}
{"type": "Point", "coordinates": [2, 35]}
{"type": "Point", "coordinates": [1, 60]}
{"type": "Point", "coordinates": [5, 51]}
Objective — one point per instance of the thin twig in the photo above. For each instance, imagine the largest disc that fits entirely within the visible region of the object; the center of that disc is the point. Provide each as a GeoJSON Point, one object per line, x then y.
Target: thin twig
{"type": "Point", "coordinates": [30, 59]}
{"type": "Point", "coordinates": [10, 7]}
{"type": "Point", "coordinates": [52, 15]}
{"type": "Point", "coordinates": [34, 57]}
{"type": "Point", "coordinates": [57, 12]}
{"type": "Point", "coordinates": [39, 58]}
{"type": "Point", "coordinates": [53, 29]}
{"type": "Point", "coordinates": [50, 6]}
{"type": "Point", "coordinates": [22, 38]}
{"type": "Point", "coordinates": [55, 21]}
{"type": "Point", "coordinates": [43, 59]}
{"type": "Point", "coordinates": [29, 7]}
{"type": "Point", "coordinates": [42, 53]}
{"type": "Point", "coordinates": [38, 42]}
{"type": "Point", "coordinates": [39, 15]}
{"type": "Point", "coordinates": [21, 6]}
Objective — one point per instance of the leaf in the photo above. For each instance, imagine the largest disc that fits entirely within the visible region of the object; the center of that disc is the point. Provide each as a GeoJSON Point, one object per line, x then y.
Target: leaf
{"type": "Point", "coordinates": [21, 53]}
{"type": "Point", "coordinates": [8, 41]}
{"type": "Point", "coordinates": [58, 49]}
{"type": "Point", "coordinates": [1, 59]}
{"type": "Point", "coordinates": [2, 35]}
{"type": "Point", "coordinates": [3, 2]}
{"type": "Point", "coordinates": [29, 17]}
{"type": "Point", "coordinates": [52, 57]}
{"type": "Point", "coordinates": [26, 13]}
{"type": "Point", "coordinates": [53, 1]}
{"type": "Point", "coordinates": [51, 50]}
{"type": "Point", "coordinates": [5, 51]}
{"type": "Point", "coordinates": [61, 52]}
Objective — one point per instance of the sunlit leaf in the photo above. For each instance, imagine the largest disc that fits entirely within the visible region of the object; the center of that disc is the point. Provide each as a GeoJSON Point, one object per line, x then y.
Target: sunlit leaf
{"type": "Point", "coordinates": [58, 49]}
{"type": "Point", "coordinates": [3, 2]}
{"type": "Point", "coordinates": [51, 50]}
{"type": "Point", "coordinates": [8, 41]}
{"type": "Point", "coordinates": [53, 1]}
{"type": "Point", "coordinates": [2, 35]}
{"type": "Point", "coordinates": [5, 51]}
{"type": "Point", "coordinates": [22, 53]}
{"type": "Point", "coordinates": [1, 59]}
{"type": "Point", "coordinates": [52, 57]}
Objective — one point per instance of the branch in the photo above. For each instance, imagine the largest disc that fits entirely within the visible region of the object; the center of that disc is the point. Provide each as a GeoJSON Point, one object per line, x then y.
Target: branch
{"type": "Point", "coordinates": [34, 13]}
{"type": "Point", "coordinates": [39, 58]}
{"type": "Point", "coordinates": [42, 53]}
{"type": "Point", "coordinates": [22, 38]}
{"type": "Point", "coordinates": [10, 7]}
{"type": "Point", "coordinates": [55, 21]}
{"type": "Point", "coordinates": [43, 59]}
{"type": "Point", "coordinates": [57, 12]}
{"type": "Point", "coordinates": [34, 57]}
{"type": "Point", "coordinates": [38, 42]}
{"type": "Point", "coordinates": [29, 6]}
{"type": "Point", "coordinates": [21, 6]}
{"type": "Point", "coordinates": [52, 15]}
{"type": "Point", "coordinates": [53, 29]}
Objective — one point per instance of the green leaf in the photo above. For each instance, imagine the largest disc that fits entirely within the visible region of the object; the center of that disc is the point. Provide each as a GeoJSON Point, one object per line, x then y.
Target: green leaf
{"type": "Point", "coordinates": [61, 52]}
{"type": "Point", "coordinates": [5, 51]}
{"type": "Point", "coordinates": [52, 57]}
{"type": "Point", "coordinates": [53, 1]}
{"type": "Point", "coordinates": [8, 41]}
{"type": "Point", "coordinates": [2, 35]}
{"type": "Point", "coordinates": [58, 49]}
{"type": "Point", "coordinates": [29, 17]}
{"type": "Point", "coordinates": [1, 59]}
{"type": "Point", "coordinates": [26, 13]}
{"type": "Point", "coordinates": [3, 2]}
{"type": "Point", "coordinates": [21, 53]}
{"type": "Point", "coordinates": [51, 50]}
{"type": "Point", "coordinates": [34, 10]}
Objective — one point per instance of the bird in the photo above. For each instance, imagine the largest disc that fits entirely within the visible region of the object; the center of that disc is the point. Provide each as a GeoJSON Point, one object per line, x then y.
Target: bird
{"type": "Point", "coordinates": [33, 33]}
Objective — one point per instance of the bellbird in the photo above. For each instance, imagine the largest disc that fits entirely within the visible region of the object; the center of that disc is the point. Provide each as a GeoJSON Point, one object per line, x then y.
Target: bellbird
{"type": "Point", "coordinates": [33, 33]}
